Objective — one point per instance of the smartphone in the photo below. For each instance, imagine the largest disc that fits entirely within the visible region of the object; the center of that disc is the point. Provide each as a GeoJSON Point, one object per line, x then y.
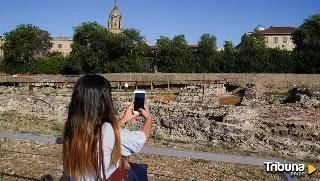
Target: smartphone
{"type": "Point", "coordinates": [139, 101]}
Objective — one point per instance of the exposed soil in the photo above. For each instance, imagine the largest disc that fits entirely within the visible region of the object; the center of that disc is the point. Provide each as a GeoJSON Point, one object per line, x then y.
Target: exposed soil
{"type": "Point", "coordinates": [26, 160]}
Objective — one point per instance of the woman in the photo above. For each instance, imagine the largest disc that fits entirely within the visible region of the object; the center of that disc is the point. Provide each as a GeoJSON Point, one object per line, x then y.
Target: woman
{"type": "Point", "coordinates": [91, 115]}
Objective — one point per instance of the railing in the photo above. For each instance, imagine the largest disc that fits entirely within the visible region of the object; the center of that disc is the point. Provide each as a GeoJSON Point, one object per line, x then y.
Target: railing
{"type": "Point", "coordinates": [114, 77]}
{"type": "Point", "coordinates": [248, 160]}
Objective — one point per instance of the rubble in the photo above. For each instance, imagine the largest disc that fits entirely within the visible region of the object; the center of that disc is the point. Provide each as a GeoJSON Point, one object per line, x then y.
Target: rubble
{"type": "Point", "coordinates": [304, 97]}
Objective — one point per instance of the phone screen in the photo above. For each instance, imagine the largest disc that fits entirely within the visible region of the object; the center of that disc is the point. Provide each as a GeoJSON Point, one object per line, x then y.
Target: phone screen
{"type": "Point", "coordinates": [139, 101]}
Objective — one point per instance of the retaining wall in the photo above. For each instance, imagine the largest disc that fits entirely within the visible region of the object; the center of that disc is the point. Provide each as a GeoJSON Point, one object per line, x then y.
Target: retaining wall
{"type": "Point", "coordinates": [263, 82]}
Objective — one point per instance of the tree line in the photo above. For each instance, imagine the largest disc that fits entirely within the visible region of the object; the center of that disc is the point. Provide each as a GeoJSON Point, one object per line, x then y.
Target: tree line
{"type": "Point", "coordinates": [95, 49]}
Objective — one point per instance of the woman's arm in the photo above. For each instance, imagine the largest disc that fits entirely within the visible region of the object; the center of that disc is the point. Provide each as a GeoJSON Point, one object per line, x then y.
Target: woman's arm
{"type": "Point", "coordinates": [134, 141]}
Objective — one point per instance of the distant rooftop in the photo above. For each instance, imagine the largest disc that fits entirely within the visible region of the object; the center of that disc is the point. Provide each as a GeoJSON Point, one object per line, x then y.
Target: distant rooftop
{"type": "Point", "coordinates": [277, 30]}
{"type": "Point", "coordinates": [154, 47]}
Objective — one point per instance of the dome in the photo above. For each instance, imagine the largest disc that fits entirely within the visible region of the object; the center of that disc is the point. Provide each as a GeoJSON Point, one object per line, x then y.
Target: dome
{"type": "Point", "coordinates": [115, 12]}
{"type": "Point", "coordinates": [259, 28]}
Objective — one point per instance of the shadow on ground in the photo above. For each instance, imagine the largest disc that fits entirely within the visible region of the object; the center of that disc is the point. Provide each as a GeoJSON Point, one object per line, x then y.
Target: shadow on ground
{"type": "Point", "coordinates": [14, 176]}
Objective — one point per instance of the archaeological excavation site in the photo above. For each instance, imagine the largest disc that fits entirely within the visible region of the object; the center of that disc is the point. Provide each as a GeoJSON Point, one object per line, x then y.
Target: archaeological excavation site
{"type": "Point", "coordinates": [217, 117]}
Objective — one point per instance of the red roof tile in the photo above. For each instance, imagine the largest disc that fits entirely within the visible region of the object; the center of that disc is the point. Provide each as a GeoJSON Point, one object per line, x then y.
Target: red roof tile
{"type": "Point", "coordinates": [194, 46]}
{"type": "Point", "coordinates": [279, 30]}
{"type": "Point", "coordinates": [154, 47]}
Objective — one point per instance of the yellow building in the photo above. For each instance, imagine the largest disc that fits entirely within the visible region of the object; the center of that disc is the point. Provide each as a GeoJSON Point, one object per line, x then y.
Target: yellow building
{"type": "Point", "coordinates": [61, 44]}
{"type": "Point", "coordinates": [275, 37]}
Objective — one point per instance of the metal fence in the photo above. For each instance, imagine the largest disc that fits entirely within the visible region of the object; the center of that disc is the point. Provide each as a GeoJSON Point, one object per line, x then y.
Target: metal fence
{"type": "Point", "coordinates": [248, 160]}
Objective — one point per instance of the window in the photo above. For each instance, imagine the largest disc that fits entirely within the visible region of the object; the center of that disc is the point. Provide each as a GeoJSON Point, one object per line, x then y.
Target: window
{"type": "Point", "coordinates": [285, 40]}
{"type": "Point", "coordinates": [276, 39]}
{"type": "Point", "coordinates": [266, 39]}
{"type": "Point", "coordinates": [59, 45]}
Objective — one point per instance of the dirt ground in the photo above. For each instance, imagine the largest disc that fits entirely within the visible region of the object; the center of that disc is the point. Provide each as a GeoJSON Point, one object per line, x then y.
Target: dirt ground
{"type": "Point", "coordinates": [27, 160]}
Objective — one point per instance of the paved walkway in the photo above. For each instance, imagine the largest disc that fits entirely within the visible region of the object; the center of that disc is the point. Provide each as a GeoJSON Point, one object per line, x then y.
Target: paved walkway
{"type": "Point", "coordinates": [249, 160]}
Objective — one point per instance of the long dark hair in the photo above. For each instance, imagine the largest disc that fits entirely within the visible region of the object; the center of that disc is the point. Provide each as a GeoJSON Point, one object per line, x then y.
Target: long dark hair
{"type": "Point", "coordinates": [91, 105]}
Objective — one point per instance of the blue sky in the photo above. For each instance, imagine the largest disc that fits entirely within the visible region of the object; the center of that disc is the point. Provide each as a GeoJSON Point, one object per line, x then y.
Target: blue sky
{"type": "Point", "coordinates": [226, 19]}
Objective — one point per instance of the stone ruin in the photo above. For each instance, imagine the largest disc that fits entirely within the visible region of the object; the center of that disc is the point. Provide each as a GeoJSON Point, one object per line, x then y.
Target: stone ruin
{"type": "Point", "coordinates": [195, 114]}
{"type": "Point", "coordinates": [47, 105]}
{"type": "Point", "coordinates": [304, 97]}
{"type": "Point", "coordinates": [206, 94]}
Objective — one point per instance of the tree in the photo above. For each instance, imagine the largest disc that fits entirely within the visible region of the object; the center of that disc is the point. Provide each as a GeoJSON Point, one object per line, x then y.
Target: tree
{"type": "Point", "coordinates": [136, 49]}
{"type": "Point", "coordinates": [180, 55]}
{"type": "Point", "coordinates": [90, 45]}
{"type": "Point", "coordinates": [254, 41]}
{"type": "Point", "coordinates": [25, 44]}
{"type": "Point", "coordinates": [174, 55]}
{"type": "Point", "coordinates": [95, 49]}
{"type": "Point", "coordinates": [280, 61]}
{"type": "Point", "coordinates": [162, 54]}
{"type": "Point", "coordinates": [55, 64]}
{"type": "Point", "coordinates": [307, 41]}
{"type": "Point", "coordinates": [207, 54]}
{"type": "Point", "coordinates": [253, 54]}
{"type": "Point", "coordinates": [229, 54]}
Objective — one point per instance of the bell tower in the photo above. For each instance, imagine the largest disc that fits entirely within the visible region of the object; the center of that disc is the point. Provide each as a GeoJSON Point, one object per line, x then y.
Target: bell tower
{"type": "Point", "coordinates": [115, 19]}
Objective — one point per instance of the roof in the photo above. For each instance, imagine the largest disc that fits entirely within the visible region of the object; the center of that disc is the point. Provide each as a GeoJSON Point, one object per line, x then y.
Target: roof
{"type": "Point", "coordinates": [284, 30]}
{"type": "Point", "coordinates": [279, 30]}
{"type": "Point", "coordinates": [153, 47]}
{"type": "Point", "coordinates": [62, 38]}
{"type": "Point", "coordinates": [194, 46]}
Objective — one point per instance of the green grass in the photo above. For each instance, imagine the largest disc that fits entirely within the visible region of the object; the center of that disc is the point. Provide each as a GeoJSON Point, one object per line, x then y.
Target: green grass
{"type": "Point", "coordinates": [12, 121]}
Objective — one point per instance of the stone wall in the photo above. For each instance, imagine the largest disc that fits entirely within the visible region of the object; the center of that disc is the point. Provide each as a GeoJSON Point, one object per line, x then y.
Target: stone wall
{"type": "Point", "coordinates": [204, 94]}
{"type": "Point", "coordinates": [263, 82]}
{"type": "Point", "coordinates": [48, 106]}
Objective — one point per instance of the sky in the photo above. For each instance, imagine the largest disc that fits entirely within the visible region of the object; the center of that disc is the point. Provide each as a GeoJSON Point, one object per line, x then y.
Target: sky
{"type": "Point", "coordinates": [225, 19]}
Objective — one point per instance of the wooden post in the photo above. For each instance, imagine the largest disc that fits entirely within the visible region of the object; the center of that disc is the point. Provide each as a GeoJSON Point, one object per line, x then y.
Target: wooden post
{"type": "Point", "coordinates": [151, 86]}
{"type": "Point", "coordinates": [168, 85]}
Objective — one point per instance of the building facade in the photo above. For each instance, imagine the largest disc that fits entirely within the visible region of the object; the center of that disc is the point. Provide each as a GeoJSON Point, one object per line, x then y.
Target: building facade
{"type": "Point", "coordinates": [275, 37]}
{"type": "Point", "coordinates": [61, 44]}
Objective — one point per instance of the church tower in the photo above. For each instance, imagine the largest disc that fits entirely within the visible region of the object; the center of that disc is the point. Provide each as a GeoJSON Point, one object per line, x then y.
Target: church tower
{"type": "Point", "coordinates": [115, 19]}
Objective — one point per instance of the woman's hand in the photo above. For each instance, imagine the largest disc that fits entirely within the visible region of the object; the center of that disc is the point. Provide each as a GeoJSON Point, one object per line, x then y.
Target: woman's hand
{"type": "Point", "coordinates": [128, 115]}
{"type": "Point", "coordinates": [145, 113]}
